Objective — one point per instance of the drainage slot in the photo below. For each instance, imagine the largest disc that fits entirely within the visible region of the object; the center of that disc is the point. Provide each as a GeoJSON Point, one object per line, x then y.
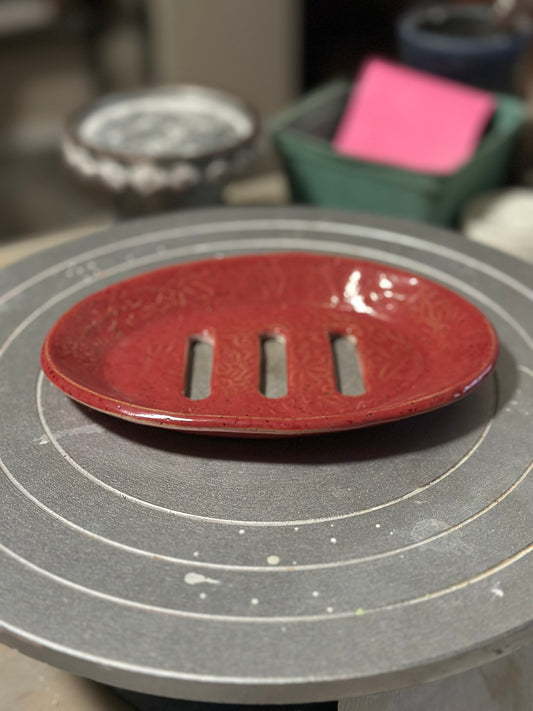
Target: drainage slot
{"type": "Point", "coordinates": [348, 376]}
{"type": "Point", "coordinates": [273, 378]}
{"type": "Point", "coordinates": [199, 368]}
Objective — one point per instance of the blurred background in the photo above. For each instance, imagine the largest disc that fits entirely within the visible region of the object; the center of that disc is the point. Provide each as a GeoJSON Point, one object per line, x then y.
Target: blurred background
{"type": "Point", "coordinates": [56, 55]}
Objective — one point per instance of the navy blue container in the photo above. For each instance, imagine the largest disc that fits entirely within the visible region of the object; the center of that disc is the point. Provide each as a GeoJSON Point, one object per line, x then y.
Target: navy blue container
{"type": "Point", "coordinates": [463, 43]}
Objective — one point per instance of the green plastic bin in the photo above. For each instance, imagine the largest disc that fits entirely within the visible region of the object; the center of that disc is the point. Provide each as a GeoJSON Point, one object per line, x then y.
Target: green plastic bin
{"type": "Point", "coordinates": [318, 175]}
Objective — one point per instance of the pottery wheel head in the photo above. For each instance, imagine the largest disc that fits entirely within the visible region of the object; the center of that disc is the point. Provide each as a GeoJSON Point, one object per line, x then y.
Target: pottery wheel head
{"type": "Point", "coordinates": [264, 571]}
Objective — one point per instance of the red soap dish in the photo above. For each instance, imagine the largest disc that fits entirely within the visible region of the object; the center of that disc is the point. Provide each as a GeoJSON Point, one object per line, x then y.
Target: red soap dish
{"type": "Point", "coordinates": [270, 345]}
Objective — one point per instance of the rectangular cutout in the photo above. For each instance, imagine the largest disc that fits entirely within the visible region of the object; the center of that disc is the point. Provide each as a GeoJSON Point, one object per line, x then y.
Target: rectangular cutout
{"type": "Point", "coordinates": [199, 368]}
{"type": "Point", "coordinates": [348, 376]}
{"type": "Point", "coordinates": [273, 377]}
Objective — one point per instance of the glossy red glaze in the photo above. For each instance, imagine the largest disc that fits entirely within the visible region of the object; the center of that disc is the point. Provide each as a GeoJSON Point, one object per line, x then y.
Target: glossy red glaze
{"type": "Point", "coordinates": [123, 350]}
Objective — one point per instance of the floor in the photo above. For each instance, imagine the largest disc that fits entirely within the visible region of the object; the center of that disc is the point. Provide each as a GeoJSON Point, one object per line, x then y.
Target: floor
{"type": "Point", "coordinates": [28, 685]}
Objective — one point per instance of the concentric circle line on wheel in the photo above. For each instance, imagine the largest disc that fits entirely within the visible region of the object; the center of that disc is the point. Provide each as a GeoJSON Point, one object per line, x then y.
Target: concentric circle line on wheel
{"type": "Point", "coordinates": [297, 224]}
{"type": "Point", "coordinates": [493, 570]}
{"type": "Point", "coordinates": [261, 569]}
{"type": "Point", "coordinates": [286, 243]}
{"type": "Point", "coordinates": [258, 524]}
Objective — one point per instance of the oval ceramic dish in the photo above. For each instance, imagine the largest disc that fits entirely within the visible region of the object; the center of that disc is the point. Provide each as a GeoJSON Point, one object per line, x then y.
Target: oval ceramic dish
{"type": "Point", "coordinates": [269, 345]}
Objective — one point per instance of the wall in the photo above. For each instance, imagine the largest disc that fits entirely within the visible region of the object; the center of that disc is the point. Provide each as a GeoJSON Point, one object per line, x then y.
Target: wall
{"type": "Point", "coordinates": [249, 47]}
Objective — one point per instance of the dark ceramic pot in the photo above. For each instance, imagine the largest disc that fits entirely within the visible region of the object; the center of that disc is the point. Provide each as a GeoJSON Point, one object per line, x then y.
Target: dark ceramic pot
{"type": "Point", "coordinates": [465, 43]}
{"type": "Point", "coordinates": [162, 148]}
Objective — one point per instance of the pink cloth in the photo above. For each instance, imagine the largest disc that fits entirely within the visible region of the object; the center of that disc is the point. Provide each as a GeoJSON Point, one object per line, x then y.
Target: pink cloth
{"type": "Point", "coordinates": [410, 119]}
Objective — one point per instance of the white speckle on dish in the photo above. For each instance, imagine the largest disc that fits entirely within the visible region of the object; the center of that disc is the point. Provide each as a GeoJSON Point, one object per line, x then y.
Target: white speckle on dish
{"type": "Point", "coordinates": [198, 579]}
{"type": "Point", "coordinates": [296, 528]}
{"type": "Point", "coordinates": [196, 554]}
{"type": "Point", "coordinates": [315, 593]}
{"type": "Point", "coordinates": [333, 540]}
{"type": "Point", "coordinates": [254, 601]}
{"type": "Point", "coordinates": [203, 596]}
{"type": "Point", "coordinates": [497, 591]}
{"type": "Point", "coordinates": [378, 525]}
{"type": "Point", "coordinates": [329, 609]}
{"type": "Point", "coordinates": [273, 560]}
{"type": "Point", "coordinates": [241, 531]}
{"type": "Point", "coordinates": [391, 533]}
{"type": "Point", "coordinates": [385, 282]}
